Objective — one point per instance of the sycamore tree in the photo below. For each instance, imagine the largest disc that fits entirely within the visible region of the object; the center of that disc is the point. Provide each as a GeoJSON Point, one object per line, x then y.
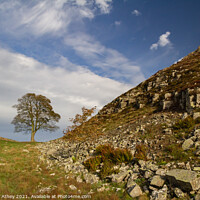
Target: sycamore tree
{"type": "Point", "coordinates": [34, 113]}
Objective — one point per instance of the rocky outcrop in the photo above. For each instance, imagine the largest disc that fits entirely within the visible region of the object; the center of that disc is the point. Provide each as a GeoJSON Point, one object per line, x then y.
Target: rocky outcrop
{"type": "Point", "coordinates": [177, 87]}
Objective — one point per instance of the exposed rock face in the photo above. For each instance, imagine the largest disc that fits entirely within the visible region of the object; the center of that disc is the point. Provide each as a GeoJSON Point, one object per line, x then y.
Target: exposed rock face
{"type": "Point", "coordinates": [184, 179]}
{"type": "Point", "coordinates": [177, 87]}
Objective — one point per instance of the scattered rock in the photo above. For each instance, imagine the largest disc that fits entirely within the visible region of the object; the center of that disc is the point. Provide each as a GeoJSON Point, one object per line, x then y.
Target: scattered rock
{"type": "Point", "coordinates": [25, 150]}
{"type": "Point", "coordinates": [179, 193]}
{"type": "Point", "coordinates": [134, 190]}
{"type": "Point", "coordinates": [159, 194]}
{"type": "Point", "coordinates": [187, 144]}
{"type": "Point", "coordinates": [157, 181]}
{"type": "Point", "coordinates": [72, 187]}
{"type": "Point", "coordinates": [197, 197]}
{"type": "Point", "coordinates": [118, 178]}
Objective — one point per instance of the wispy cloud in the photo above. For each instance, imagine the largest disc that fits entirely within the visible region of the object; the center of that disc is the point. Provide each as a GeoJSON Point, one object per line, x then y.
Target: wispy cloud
{"type": "Point", "coordinates": [162, 42]}
{"type": "Point", "coordinates": [110, 61]}
{"type": "Point", "coordinates": [68, 90]}
{"type": "Point", "coordinates": [48, 17]}
{"type": "Point", "coordinates": [136, 13]}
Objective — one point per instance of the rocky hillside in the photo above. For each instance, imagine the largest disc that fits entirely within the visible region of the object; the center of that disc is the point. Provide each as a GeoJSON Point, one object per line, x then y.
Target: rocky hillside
{"type": "Point", "coordinates": [176, 87]}
{"type": "Point", "coordinates": [150, 142]}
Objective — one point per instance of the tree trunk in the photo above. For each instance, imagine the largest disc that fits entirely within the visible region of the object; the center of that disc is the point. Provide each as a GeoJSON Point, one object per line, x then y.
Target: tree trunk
{"type": "Point", "coordinates": [32, 137]}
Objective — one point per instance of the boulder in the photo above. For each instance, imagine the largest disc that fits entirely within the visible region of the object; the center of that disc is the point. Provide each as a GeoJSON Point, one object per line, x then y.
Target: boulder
{"type": "Point", "coordinates": [187, 144]}
{"type": "Point", "coordinates": [134, 189]}
{"type": "Point", "coordinates": [157, 181]}
{"type": "Point", "coordinates": [186, 180]}
{"type": "Point", "coordinates": [118, 178]}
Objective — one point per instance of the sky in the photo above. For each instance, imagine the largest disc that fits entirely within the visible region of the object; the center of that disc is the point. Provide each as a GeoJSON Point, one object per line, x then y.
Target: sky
{"type": "Point", "coordinates": [87, 52]}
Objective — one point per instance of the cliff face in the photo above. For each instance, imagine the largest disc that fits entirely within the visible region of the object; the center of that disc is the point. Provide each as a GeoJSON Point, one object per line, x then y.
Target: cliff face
{"type": "Point", "coordinates": [176, 87]}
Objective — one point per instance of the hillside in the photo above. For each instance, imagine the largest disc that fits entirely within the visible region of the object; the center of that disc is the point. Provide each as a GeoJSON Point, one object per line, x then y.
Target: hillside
{"type": "Point", "coordinates": [148, 146]}
{"type": "Point", "coordinates": [150, 141]}
{"type": "Point", "coordinates": [175, 87]}
{"type": "Point", "coordinates": [6, 139]}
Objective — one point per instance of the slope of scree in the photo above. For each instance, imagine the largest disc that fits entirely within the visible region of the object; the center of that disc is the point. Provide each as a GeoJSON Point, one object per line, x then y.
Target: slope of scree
{"type": "Point", "coordinates": [159, 123]}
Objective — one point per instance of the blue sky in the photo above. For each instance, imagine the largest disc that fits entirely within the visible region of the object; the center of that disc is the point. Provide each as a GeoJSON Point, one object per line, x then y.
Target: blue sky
{"type": "Point", "coordinates": [87, 52]}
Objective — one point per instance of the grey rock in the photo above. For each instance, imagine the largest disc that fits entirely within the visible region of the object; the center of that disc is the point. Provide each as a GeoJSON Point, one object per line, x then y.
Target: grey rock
{"type": "Point", "coordinates": [166, 104]}
{"type": "Point", "coordinates": [118, 178]}
{"type": "Point", "coordinates": [79, 179]}
{"type": "Point", "coordinates": [161, 172]}
{"type": "Point", "coordinates": [72, 187]}
{"type": "Point", "coordinates": [25, 150]}
{"type": "Point", "coordinates": [196, 168]}
{"type": "Point", "coordinates": [157, 181]}
{"type": "Point", "coordinates": [134, 190]}
{"type": "Point", "coordinates": [196, 115]}
{"type": "Point", "coordinates": [187, 144]}
{"type": "Point", "coordinates": [159, 194]}
{"type": "Point", "coordinates": [179, 193]}
{"type": "Point", "coordinates": [152, 167]}
{"type": "Point", "coordinates": [186, 180]}
{"type": "Point", "coordinates": [90, 178]}
{"type": "Point", "coordinates": [148, 174]}
{"type": "Point", "coordinates": [134, 176]}
{"type": "Point", "coordinates": [130, 183]}
{"type": "Point", "coordinates": [197, 197]}
{"type": "Point", "coordinates": [101, 189]}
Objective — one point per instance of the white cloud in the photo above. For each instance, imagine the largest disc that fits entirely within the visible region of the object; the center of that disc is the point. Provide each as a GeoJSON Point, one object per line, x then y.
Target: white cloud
{"type": "Point", "coordinates": [104, 5]}
{"type": "Point", "coordinates": [68, 90]}
{"type": "Point", "coordinates": [81, 2]}
{"type": "Point", "coordinates": [109, 61]}
{"type": "Point", "coordinates": [48, 17]}
{"type": "Point", "coordinates": [117, 23]}
{"type": "Point", "coordinates": [136, 13]}
{"type": "Point", "coordinates": [162, 42]}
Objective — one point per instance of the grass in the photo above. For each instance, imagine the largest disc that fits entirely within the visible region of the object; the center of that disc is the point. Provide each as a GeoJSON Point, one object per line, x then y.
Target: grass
{"type": "Point", "coordinates": [106, 157]}
{"type": "Point", "coordinates": [21, 173]}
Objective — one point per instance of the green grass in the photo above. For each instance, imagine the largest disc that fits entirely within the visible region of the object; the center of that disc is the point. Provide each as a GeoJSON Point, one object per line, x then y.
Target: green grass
{"type": "Point", "coordinates": [22, 173]}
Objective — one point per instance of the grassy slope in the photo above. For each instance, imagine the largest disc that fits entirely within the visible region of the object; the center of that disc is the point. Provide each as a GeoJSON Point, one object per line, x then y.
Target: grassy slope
{"type": "Point", "coordinates": [22, 173]}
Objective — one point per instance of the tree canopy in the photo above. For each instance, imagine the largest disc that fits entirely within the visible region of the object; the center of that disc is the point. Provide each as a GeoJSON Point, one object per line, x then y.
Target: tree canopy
{"type": "Point", "coordinates": [34, 113]}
